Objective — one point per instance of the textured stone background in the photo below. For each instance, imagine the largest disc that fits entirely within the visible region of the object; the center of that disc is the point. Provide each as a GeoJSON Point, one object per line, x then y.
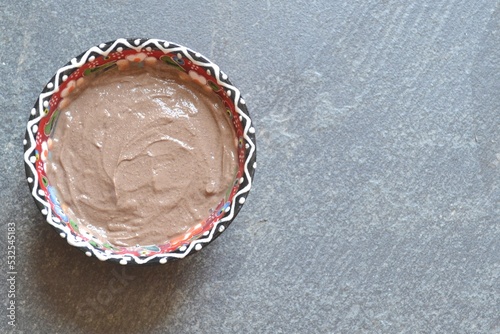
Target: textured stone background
{"type": "Point", "coordinates": [376, 206]}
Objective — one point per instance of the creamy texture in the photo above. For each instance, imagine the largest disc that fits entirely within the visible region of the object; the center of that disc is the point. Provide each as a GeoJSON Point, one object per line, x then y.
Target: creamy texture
{"type": "Point", "coordinates": [140, 156]}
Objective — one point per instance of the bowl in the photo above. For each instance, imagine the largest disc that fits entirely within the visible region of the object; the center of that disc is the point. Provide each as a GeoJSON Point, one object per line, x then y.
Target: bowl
{"type": "Point", "coordinates": [43, 119]}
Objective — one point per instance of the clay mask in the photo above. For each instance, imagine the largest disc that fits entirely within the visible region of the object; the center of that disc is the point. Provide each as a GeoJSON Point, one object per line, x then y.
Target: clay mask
{"type": "Point", "coordinates": [141, 155]}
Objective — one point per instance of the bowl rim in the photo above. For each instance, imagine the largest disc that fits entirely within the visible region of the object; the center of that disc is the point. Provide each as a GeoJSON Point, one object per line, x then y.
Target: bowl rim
{"type": "Point", "coordinates": [47, 104]}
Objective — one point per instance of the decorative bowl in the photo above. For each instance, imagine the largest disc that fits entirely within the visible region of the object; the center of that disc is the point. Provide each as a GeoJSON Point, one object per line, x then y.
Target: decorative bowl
{"type": "Point", "coordinates": [43, 118]}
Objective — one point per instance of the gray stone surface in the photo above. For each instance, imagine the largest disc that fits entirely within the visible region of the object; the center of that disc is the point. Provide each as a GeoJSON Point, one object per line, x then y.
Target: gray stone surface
{"type": "Point", "coordinates": [376, 206]}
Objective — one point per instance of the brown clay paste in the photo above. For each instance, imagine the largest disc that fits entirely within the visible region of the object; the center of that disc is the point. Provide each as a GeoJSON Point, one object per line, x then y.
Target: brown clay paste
{"type": "Point", "coordinates": [141, 155]}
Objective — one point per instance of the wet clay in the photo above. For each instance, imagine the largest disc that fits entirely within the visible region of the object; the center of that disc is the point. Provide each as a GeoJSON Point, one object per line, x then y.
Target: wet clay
{"type": "Point", "coordinates": [140, 156]}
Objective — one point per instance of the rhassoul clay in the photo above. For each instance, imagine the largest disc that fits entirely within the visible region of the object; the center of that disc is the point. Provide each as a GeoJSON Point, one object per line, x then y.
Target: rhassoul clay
{"type": "Point", "coordinates": [141, 155]}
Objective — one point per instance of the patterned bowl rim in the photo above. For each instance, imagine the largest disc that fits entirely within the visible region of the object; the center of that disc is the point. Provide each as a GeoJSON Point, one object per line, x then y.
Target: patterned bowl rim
{"type": "Point", "coordinates": [46, 106]}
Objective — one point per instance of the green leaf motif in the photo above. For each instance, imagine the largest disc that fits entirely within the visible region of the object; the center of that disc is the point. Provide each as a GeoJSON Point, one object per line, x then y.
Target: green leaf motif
{"type": "Point", "coordinates": [50, 124]}
{"type": "Point", "coordinates": [93, 243]}
{"type": "Point", "coordinates": [107, 245]}
{"type": "Point", "coordinates": [98, 69]}
{"type": "Point", "coordinates": [74, 225]}
{"type": "Point", "coordinates": [152, 248]}
{"type": "Point", "coordinates": [167, 60]}
{"type": "Point", "coordinates": [214, 87]}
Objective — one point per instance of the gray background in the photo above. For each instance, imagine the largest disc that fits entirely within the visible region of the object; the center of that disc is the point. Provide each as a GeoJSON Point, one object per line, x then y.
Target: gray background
{"type": "Point", "coordinates": [376, 203]}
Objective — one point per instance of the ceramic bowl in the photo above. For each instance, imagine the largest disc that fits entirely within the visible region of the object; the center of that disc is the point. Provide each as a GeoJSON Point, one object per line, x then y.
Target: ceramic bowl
{"type": "Point", "coordinates": [103, 57]}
